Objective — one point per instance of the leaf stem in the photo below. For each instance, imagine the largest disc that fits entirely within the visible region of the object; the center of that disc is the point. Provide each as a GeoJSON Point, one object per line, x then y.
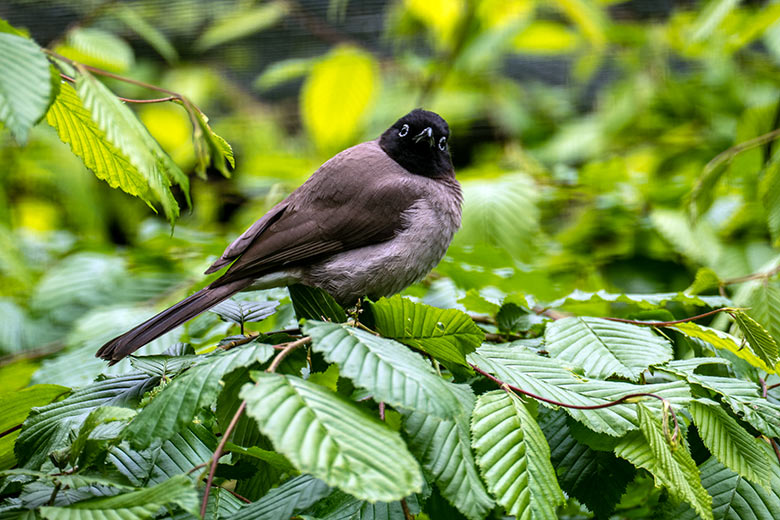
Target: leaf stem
{"type": "Point", "coordinates": [507, 386]}
{"type": "Point", "coordinates": [11, 430]}
{"type": "Point", "coordinates": [668, 323]}
{"type": "Point", "coordinates": [234, 421]}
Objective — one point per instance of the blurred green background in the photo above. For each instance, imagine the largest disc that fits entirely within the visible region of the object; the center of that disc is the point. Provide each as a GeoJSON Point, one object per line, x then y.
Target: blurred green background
{"type": "Point", "coordinates": [580, 131]}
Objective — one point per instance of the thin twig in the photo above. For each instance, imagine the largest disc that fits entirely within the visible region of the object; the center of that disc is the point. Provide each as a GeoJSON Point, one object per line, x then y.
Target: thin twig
{"type": "Point", "coordinates": [753, 276]}
{"type": "Point", "coordinates": [234, 421]}
{"type": "Point", "coordinates": [243, 499]}
{"type": "Point", "coordinates": [243, 341]}
{"type": "Point", "coordinates": [407, 514]}
{"type": "Point", "coordinates": [128, 100]}
{"type": "Point", "coordinates": [776, 448]}
{"type": "Point", "coordinates": [505, 386]}
{"type": "Point", "coordinates": [772, 387]}
{"type": "Point", "coordinates": [481, 318]}
{"type": "Point", "coordinates": [668, 323]}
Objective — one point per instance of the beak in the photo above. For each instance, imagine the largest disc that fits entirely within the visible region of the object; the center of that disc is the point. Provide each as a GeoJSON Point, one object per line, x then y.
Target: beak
{"type": "Point", "coordinates": [425, 134]}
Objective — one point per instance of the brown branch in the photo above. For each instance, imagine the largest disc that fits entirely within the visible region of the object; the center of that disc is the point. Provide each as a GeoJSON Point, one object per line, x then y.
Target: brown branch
{"type": "Point", "coordinates": [507, 386]}
{"type": "Point", "coordinates": [407, 513]}
{"type": "Point", "coordinates": [754, 276]}
{"type": "Point", "coordinates": [668, 323]}
{"type": "Point", "coordinates": [772, 387]}
{"type": "Point", "coordinates": [234, 421]}
{"type": "Point", "coordinates": [776, 448]}
{"type": "Point", "coordinates": [243, 341]}
{"type": "Point", "coordinates": [243, 499]}
{"type": "Point", "coordinates": [129, 100]}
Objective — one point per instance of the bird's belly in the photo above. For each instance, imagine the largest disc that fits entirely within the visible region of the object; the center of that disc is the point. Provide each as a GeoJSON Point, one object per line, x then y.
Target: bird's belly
{"type": "Point", "coordinates": [389, 267]}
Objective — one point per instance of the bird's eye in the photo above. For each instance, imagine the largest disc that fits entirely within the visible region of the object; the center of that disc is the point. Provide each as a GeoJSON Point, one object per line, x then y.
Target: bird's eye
{"type": "Point", "coordinates": [404, 130]}
{"type": "Point", "coordinates": [443, 144]}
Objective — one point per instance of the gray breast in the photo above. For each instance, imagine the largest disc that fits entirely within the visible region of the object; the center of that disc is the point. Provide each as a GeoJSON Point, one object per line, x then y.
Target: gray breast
{"type": "Point", "coordinates": [389, 267]}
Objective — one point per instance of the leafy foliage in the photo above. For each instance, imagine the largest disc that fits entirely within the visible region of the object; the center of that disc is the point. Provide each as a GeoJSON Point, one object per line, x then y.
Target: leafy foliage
{"type": "Point", "coordinates": [604, 159]}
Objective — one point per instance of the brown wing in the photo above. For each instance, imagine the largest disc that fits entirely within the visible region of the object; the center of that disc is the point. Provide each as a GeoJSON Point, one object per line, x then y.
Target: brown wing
{"type": "Point", "coordinates": [355, 199]}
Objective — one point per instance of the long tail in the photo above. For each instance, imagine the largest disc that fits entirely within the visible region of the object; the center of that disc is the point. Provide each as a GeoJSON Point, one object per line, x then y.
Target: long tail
{"type": "Point", "coordinates": [172, 317]}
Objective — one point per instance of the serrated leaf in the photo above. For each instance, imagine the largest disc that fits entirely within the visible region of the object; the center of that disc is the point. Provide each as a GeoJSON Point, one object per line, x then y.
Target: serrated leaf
{"type": "Point", "coordinates": [762, 343]}
{"type": "Point", "coordinates": [98, 48]}
{"type": "Point", "coordinates": [280, 503]}
{"type": "Point", "coordinates": [390, 371]}
{"type": "Point", "coordinates": [76, 128]}
{"type": "Point", "coordinates": [722, 340]}
{"type": "Point", "coordinates": [341, 506]}
{"type": "Point", "coordinates": [514, 457]}
{"type": "Point", "coordinates": [444, 448]}
{"type": "Point", "coordinates": [729, 442]}
{"type": "Point", "coordinates": [174, 408]}
{"type": "Point", "coordinates": [447, 334]}
{"type": "Point", "coordinates": [47, 428]}
{"type": "Point", "coordinates": [312, 303]}
{"type": "Point", "coordinates": [135, 505]}
{"type": "Point", "coordinates": [705, 280]}
{"type": "Point", "coordinates": [596, 478]}
{"type": "Point", "coordinates": [178, 455]}
{"type": "Point", "coordinates": [604, 348]}
{"type": "Point", "coordinates": [210, 148]}
{"type": "Point", "coordinates": [241, 312]}
{"type": "Point", "coordinates": [332, 109]}
{"type": "Point", "coordinates": [14, 407]}
{"type": "Point", "coordinates": [333, 439]}
{"type": "Point", "coordinates": [164, 366]}
{"type": "Point", "coordinates": [743, 397]}
{"type": "Point", "coordinates": [271, 457]}
{"type": "Point", "coordinates": [519, 366]}
{"type": "Point", "coordinates": [762, 300]}
{"type": "Point", "coordinates": [123, 130]}
{"type": "Point", "coordinates": [148, 33]}
{"type": "Point", "coordinates": [643, 301]}
{"type": "Point", "coordinates": [733, 497]}
{"type": "Point", "coordinates": [25, 86]}
{"type": "Point", "coordinates": [98, 416]}
{"type": "Point", "coordinates": [673, 469]}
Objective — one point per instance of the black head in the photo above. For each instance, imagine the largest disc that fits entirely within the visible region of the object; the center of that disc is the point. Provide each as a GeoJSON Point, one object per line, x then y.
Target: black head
{"type": "Point", "coordinates": [419, 142]}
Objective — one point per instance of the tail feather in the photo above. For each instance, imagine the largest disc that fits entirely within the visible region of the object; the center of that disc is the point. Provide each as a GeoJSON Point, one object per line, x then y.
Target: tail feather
{"type": "Point", "coordinates": [172, 317]}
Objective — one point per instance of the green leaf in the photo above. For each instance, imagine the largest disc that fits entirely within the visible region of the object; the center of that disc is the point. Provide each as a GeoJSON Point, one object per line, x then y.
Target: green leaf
{"type": "Point", "coordinates": [241, 23]}
{"type": "Point", "coordinates": [698, 242]}
{"type": "Point", "coordinates": [332, 109]}
{"type": "Point", "coordinates": [312, 303]}
{"type": "Point", "coordinates": [75, 127]}
{"type": "Point", "coordinates": [444, 447]}
{"type": "Point", "coordinates": [446, 334]}
{"type": "Point", "coordinates": [722, 340]}
{"type": "Point", "coordinates": [98, 48]}
{"type": "Point", "coordinates": [323, 434]}
{"type": "Point", "coordinates": [596, 478]}
{"type": "Point", "coordinates": [706, 279]}
{"type": "Point", "coordinates": [14, 407]}
{"type": "Point", "coordinates": [762, 343]}
{"type": "Point", "coordinates": [241, 312]}
{"type": "Point", "coordinates": [148, 33]}
{"type": "Point", "coordinates": [175, 407]}
{"type": "Point", "coordinates": [210, 148]}
{"type": "Point", "coordinates": [25, 85]}
{"type": "Point", "coordinates": [743, 397]}
{"type": "Point", "coordinates": [341, 506]}
{"type": "Point", "coordinates": [47, 428]}
{"type": "Point", "coordinates": [673, 469]}
{"type": "Point", "coordinates": [390, 371]}
{"type": "Point", "coordinates": [271, 457]}
{"type": "Point", "coordinates": [519, 366]}
{"type": "Point", "coordinates": [710, 18]}
{"type": "Point", "coordinates": [643, 301]}
{"type": "Point", "coordinates": [730, 443]}
{"type": "Point", "coordinates": [734, 497]}
{"type": "Point", "coordinates": [763, 302]}
{"type": "Point", "coordinates": [604, 348]}
{"type": "Point", "coordinates": [296, 494]}
{"type": "Point", "coordinates": [514, 457]}
{"type": "Point", "coordinates": [769, 192]}
{"type": "Point", "coordinates": [280, 72]}
{"type": "Point", "coordinates": [176, 456]}
{"type": "Point", "coordinates": [135, 505]}
{"type": "Point", "coordinates": [501, 212]}
{"type": "Point", "coordinates": [98, 416]}
{"type": "Point", "coordinates": [126, 133]}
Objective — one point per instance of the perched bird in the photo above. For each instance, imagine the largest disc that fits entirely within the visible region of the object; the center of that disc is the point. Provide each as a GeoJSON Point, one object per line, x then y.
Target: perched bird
{"type": "Point", "coordinates": [371, 221]}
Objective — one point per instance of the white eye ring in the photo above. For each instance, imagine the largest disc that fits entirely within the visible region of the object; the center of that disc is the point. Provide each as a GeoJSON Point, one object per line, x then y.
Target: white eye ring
{"type": "Point", "coordinates": [404, 131]}
{"type": "Point", "coordinates": [443, 144]}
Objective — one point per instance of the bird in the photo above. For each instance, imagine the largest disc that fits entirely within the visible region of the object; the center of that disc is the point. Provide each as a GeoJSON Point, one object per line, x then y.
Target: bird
{"type": "Point", "coordinates": [372, 220]}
